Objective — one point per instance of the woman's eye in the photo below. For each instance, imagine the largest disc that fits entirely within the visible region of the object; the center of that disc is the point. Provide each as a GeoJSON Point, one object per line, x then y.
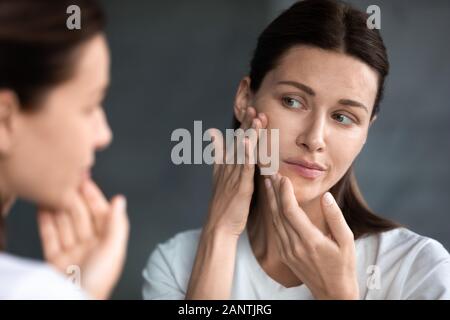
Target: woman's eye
{"type": "Point", "coordinates": [291, 102]}
{"type": "Point", "coordinates": [343, 118]}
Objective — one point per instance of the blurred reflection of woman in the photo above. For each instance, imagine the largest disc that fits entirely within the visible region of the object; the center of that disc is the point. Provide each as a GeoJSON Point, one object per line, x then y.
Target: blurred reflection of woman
{"type": "Point", "coordinates": [52, 82]}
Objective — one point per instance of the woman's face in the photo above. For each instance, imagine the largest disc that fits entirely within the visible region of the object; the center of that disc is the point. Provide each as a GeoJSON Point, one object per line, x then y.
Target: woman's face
{"type": "Point", "coordinates": [321, 102]}
{"type": "Point", "coordinates": [53, 148]}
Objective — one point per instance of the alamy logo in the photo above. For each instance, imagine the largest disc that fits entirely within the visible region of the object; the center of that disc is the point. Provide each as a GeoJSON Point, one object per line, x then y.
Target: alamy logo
{"type": "Point", "coordinates": [374, 277]}
{"type": "Point", "coordinates": [74, 275]}
{"type": "Point", "coordinates": [374, 20]}
{"type": "Point", "coordinates": [73, 22]}
{"type": "Point", "coordinates": [266, 154]}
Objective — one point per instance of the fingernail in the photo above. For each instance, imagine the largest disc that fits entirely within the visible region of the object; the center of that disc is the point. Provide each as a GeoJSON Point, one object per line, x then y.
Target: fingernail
{"type": "Point", "coordinates": [122, 203]}
{"type": "Point", "coordinates": [328, 199]}
{"type": "Point", "coordinates": [267, 182]}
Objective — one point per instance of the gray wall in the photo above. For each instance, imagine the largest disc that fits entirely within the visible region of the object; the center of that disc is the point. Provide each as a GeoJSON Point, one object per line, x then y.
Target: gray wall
{"type": "Point", "coordinates": [179, 61]}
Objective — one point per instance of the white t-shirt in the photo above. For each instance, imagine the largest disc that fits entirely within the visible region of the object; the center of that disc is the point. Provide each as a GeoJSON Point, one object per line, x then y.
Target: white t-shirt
{"type": "Point", "coordinates": [24, 279]}
{"type": "Point", "coordinates": [396, 264]}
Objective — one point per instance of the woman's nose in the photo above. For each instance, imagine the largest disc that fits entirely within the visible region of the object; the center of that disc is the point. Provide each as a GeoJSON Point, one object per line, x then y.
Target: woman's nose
{"type": "Point", "coordinates": [312, 137]}
{"type": "Point", "coordinates": [103, 133]}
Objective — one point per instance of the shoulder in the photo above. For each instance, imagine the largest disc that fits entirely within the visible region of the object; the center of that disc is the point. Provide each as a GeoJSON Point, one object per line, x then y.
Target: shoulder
{"type": "Point", "coordinates": [167, 272]}
{"type": "Point", "coordinates": [185, 241]}
{"type": "Point", "coordinates": [413, 266]}
{"type": "Point", "coordinates": [180, 248]}
{"type": "Point", "coordinates": [30, 279]}
{"type": "Point", "coordinates": [405, 242]}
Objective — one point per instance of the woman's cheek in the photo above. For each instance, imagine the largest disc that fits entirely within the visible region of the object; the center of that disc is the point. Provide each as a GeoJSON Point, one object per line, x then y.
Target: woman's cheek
{"type": "Point", "coordinates": [343, 150]}
{"type": "Point", "coordinates": [353, 135]}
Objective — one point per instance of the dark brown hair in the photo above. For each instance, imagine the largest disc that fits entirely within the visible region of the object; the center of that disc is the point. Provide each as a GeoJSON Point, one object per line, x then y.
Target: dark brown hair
{"type": "Point", "coordinates": [336, 26]}
{"type": "Point", "coordinates": [37, 50]}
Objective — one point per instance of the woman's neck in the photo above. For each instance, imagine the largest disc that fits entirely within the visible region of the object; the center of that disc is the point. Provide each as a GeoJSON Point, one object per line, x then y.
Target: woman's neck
{"type": "Point", "coordinates": [6, 201]}
{"type": "Point", "coordinates": [262, 236]}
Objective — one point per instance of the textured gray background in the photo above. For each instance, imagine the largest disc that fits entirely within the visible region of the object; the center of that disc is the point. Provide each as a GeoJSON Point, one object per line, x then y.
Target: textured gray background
{"type": "Point", "coordinates": [179, 61]}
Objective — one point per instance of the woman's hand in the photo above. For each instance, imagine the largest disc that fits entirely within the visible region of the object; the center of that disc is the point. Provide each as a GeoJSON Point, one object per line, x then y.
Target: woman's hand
{"type": "Point", "coordinates": [233, 183]}
{"type": "Point", "coordinates": [326, 264]}
{"type": "Point", "coordinates": [91, 235]}
{"type": "Point", "coordinates": [212, 273]}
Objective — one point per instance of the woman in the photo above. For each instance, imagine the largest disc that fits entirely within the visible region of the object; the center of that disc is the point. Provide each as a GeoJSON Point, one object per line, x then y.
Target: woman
{"type": "Point", "coordinates": [317, 75]}
{"type": "Point", "coordinates": [52, 82]}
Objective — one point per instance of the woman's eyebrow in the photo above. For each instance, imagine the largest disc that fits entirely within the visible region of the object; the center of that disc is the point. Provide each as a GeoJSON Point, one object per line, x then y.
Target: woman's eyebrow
{"type": "Point", "coordinates": [298, 85]}
{"type": "Point", "coordinates": [352, 103]}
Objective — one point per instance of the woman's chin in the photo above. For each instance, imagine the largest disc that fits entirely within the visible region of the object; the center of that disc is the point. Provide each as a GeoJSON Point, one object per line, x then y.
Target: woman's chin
{"type": "Point", "coordinates": [61, 200]}
{"type": "Point", "coordinates": [68, 197]}
{"type": "Point", "coordinates": [303, 196]}
{"type": "Point", "coordinates": [305, 192]}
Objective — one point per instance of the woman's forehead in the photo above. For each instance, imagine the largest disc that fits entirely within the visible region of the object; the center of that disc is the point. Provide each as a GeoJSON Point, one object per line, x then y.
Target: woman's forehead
{"type": "Point", "coordinates": [325, 71]}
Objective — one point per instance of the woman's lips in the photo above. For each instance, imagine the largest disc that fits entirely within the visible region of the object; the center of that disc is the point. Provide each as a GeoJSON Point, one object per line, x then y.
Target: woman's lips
{"type": "Point", "coordinates": [304, 171]}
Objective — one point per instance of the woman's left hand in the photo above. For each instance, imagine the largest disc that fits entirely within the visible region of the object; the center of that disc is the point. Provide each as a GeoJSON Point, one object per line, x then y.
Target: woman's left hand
{"type": "Point", "coordinates": [326, 264]}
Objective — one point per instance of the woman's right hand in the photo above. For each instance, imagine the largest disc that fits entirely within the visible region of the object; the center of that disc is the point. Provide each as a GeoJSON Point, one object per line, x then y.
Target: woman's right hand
{"type": "Point", "coordinates": [91, 235]}
{"type": "Point", "coordinates": [233, 183]}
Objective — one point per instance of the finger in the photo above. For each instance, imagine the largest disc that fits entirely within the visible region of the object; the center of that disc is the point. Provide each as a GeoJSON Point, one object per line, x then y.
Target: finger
{"type": "Point", "coordinates": [248, 169]}
{"type": "Point", "coordinates": [235, 154]}
{"type": "Point", "coordinates": [339, 228]}
{"type": "Point", "coordinates": [219, 154]}
{"type": "Point", "coordinates": [263, 118]}
{"type": "Point", "coordinates": [82, 218]}
{"type": "Point", "coordinates": [275, 210]}
{"type": "Point", "coordinates": [48, 234]}
{"type": "Point", "coordinates": [288, 208]}
{"type": "Point", "coordinates": [65, 229]}
{"type": "Point", "coordinates": [238, 154]}
{"type": "Point", "coordinates": [250, 113]}
{"type": "Point", "coordinates": [256, 126]}
{"type": "Point", "coordinates": [296, 217]}
{"type": "Point", "coordinates": [251, 143]}
{"type": "Point", "coordinates": [251, 135]}
{"type": "Point", "coordinates": [292, 235]}
{"type": "Point", "coordinates": [231, 146]}
{"type": "Point", "coordinates": [118, 224]}
{"type": "Point", "coordinates": [271, 198]}
{"type": "Point", "coordinates": [275, 179]}
{"type": "Point", "coordinates": [218, 142]}
{"type": "Point", "coordinates": [232, 150]}
{"type": "Point", "coordinates": [261, 147]}
{"type": "Point", "coordinates": [96, 203]}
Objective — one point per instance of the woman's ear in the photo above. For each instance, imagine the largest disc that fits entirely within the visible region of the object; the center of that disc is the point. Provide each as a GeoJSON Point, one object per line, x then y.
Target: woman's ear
{"type": "Point", "coordinates": [8, 108]}
{"type": "Point", "coordinates": [243, 99]}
